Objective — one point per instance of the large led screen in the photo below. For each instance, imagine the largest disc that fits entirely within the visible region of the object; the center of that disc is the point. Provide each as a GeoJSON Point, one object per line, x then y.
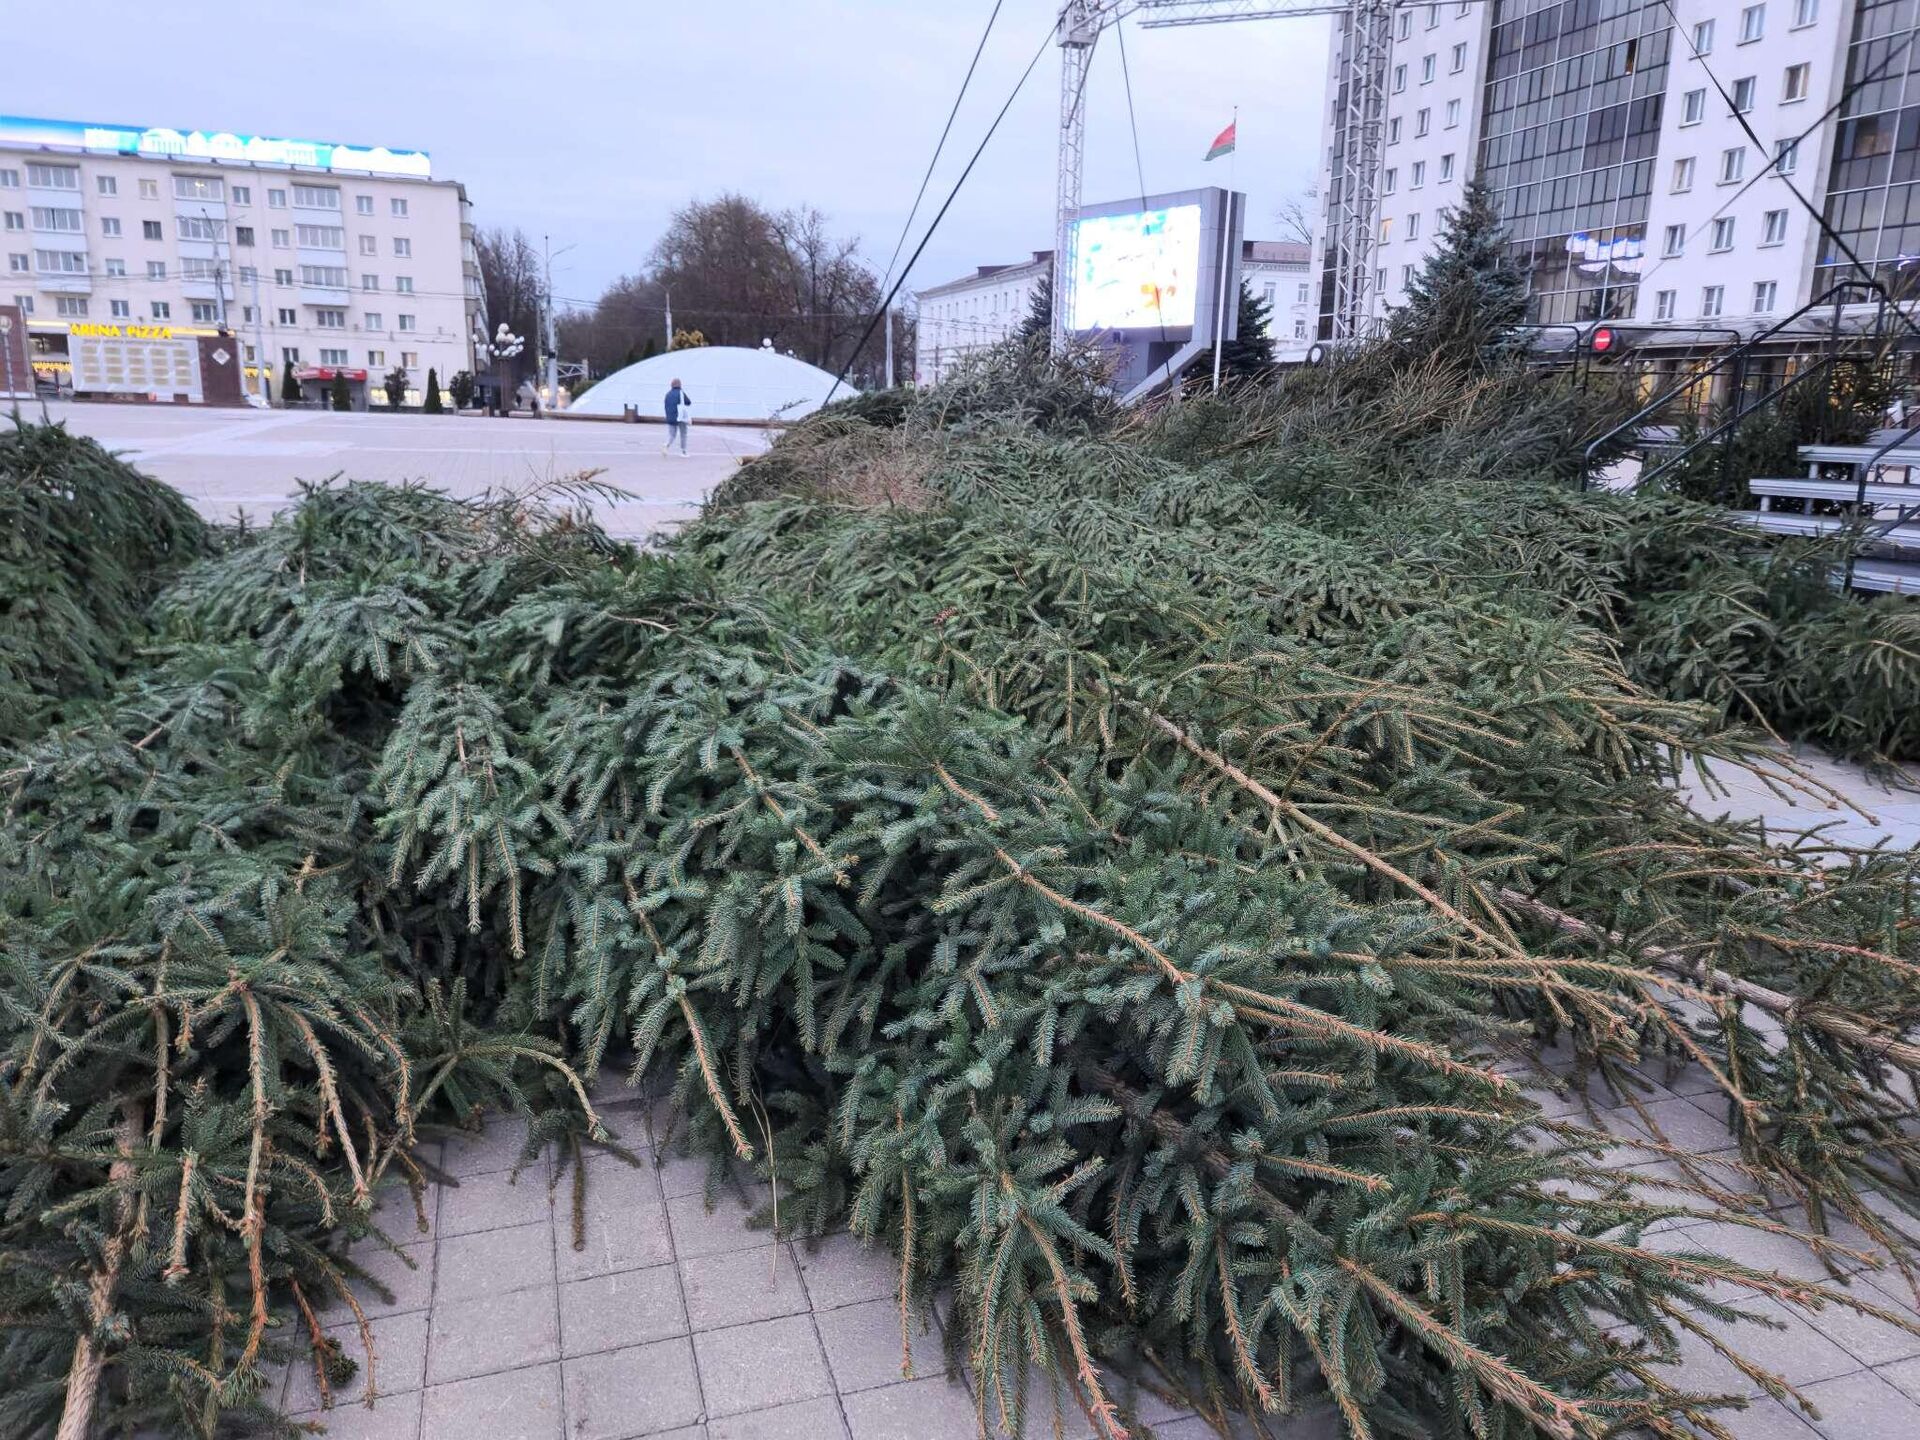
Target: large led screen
{"type": "Point", "coordinates": [1137, 271]}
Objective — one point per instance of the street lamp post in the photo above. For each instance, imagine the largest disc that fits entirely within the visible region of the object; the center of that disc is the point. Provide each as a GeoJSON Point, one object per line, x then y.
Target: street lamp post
{"type": "Point", "coordinates": [6, 348]}
{"type": "Point", "coordinates": [503, 347]}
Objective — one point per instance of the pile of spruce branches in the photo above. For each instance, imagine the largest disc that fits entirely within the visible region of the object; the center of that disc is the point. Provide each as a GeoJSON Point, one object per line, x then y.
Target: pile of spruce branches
{"type": "Point", "coordinates": [1124, 866]}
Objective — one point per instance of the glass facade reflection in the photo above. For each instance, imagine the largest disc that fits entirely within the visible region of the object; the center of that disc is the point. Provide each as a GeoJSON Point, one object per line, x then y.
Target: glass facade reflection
{"type": "Point", "coordinates": [1873, 192]}
{"type": "Point", "coordinates": [1571, 125]}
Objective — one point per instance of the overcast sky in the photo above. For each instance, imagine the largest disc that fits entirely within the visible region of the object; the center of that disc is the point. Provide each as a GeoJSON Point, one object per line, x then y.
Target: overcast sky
{"type": "Point", "coordinates": [593, 126]}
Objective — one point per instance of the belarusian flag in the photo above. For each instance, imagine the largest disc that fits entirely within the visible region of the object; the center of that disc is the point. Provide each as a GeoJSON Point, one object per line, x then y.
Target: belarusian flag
{"type": "Point", "coordinates": [1223, 142]}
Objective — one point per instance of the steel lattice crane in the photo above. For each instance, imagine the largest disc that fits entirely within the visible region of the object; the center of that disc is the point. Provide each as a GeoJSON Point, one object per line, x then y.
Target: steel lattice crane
{"type": "Point", "coordinates": [1353, 196]}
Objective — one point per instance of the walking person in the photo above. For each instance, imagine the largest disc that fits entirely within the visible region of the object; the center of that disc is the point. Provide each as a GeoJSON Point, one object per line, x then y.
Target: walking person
{"type": "Point", "coordinates": [679, 415]}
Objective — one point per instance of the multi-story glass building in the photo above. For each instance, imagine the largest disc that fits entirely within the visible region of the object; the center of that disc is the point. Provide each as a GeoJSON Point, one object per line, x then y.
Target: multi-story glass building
{"type": "Point", "coordinates": [1646, 156]}
{"type": "Point", "coordinates": [314, 258]}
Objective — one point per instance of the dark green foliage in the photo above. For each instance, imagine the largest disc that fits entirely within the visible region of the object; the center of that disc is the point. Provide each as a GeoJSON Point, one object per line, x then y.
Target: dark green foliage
{"type": "Point", "coordinates": [461, 386]}
{"type": "Point", "coordinates": [340, 396]}
{"type": "Point", "coordinates": [85, 541]}
{"type": "Point", "coordinates": [432, 403]}
{"type": "Point", "coordinates": [1095, 860]}
{"type": "Point", "coordinates": [1037, 323]}
{"type": "Point", "coordinates": [1248, 357]}
{"type": "Point", "coordinates": [289, 383]}
{"type": "Point", "coordinates": [396, 386]}
{"type": "Point", "coordinates": [1470, 293]}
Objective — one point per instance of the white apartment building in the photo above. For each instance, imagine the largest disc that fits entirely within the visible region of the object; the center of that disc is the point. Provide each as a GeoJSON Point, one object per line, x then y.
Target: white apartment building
{"type": "Point", "coordinates": [990, 305]}
{"type": "Point", "coordinates": [1631, 189]}
{"type": "Point", "coordinates": [317, 258]}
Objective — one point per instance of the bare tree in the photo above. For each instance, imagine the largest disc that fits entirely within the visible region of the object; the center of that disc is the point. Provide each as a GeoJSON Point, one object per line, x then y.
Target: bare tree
{"type": "Point", "coordinates": [1298, 216]}
{"type": "Point", "coordinates": [511, 272]}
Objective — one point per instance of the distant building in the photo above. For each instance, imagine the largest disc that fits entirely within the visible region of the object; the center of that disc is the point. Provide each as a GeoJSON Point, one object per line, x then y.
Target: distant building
{"type": "Point", "coordinates": [121, 243]}
{"type": "Point", "coordinates": [990, 305]}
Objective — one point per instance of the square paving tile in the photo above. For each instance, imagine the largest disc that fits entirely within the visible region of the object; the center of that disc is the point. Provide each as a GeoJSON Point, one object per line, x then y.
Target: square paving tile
{"type": "Point", "coordinates": [498, 1147]}
{"type": "Point", "coordinates": [495, 1262]}
{"type": "Point", "coordinates": [491, 1332]}
{"type": "Point", "coordinates": [844, 1270]}
{"type": "Point", "coordinates": [391, 1417]}
{"type": "Point", "coordinates": [1904, 1376]}
{"type": "Point", "coordinates": [626, 1222]}
{"type": "Point", "coordinates": [808, 1420]}
{"type": "Point", "coordinates": [863, 1346]}
{"type": "Point", "coordinates": [511, 1405]}
{"type": "Point", "coordinates": [611, 1312]}
{"type": "Point", "coordinates": [1868, 1340]}
{"type": "Point", "coordinates": [1862, 1406]}
{"type": "Point", "coordinates": [406, 1271]}
{"type": "Point", "coordinates": [699, 1231]}
{"type": "Point", "coordinates": [494, 1201]}
{"type": "Point", "coordinates": [642, 1390]}
{"type": "Point", "coordinates": [399, 1362]}
{"type": "Point", "coordinates": [934, 1409]}
{"type": "Point", "coordinates": [755, 1367]}
{"type": "Point", "coordinates": [1799, 1354]}
{"type": "Point", "coordinates": [742, 1286]}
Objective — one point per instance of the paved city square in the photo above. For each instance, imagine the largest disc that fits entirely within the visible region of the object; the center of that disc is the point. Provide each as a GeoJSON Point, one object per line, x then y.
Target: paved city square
{"type": "Point", "coordinates": [250, 462]}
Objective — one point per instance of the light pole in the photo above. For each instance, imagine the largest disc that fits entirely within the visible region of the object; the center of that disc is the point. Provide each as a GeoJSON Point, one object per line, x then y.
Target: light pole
{"type": "Point", "coordinates": [503, 347]}
{"type": "Point", "coordinates": [6, 348]}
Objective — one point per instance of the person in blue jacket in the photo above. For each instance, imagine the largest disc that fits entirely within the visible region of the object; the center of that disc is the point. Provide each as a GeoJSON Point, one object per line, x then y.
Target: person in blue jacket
{"type": "Point", "coordinates": [679, 414]}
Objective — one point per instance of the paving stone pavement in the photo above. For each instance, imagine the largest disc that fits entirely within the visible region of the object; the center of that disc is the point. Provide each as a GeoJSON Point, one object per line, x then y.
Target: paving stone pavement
{"type": "Point", "coordinates": [675, 1321]}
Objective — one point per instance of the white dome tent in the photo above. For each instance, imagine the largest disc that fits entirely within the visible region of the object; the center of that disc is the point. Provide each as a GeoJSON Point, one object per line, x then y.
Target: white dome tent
{"type": "Point", "coordinates": [724, 382]}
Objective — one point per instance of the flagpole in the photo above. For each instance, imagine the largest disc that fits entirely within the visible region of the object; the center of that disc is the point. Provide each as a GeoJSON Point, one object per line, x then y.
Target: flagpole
{"type": "Point", "coordinates": [1226, 235]}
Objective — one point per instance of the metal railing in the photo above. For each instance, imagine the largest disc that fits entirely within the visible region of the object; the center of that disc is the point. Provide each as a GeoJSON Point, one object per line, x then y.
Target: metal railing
{"type": "Point", "coordinates": [1732, 363]}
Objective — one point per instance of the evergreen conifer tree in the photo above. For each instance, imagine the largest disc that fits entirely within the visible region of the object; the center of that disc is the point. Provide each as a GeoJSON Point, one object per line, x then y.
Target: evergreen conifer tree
{"type": "Point", "coordinates": [289, 383]}
{"type": "Point", "coordinates": [1038, 321]}
{"type": "Point", "coordinates": [341, 393]}
{"type": "Point", "coordinates": [1465, 301]}
{"type": "Point", "coordinates": [432, 403]}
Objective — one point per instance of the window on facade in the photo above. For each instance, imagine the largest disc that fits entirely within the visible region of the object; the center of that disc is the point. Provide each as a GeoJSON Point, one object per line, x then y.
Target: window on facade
{"type": "Point", "coordinates": [120, 309]}
{"type": "Point", "coordinates": [330, 319]}
{"type": "Point", "coordinates": [1765, 292]}
{"type": "Point", "coordinates": [74, 307]}
{"type": "Point", "coordinates": [402, 247]}
{"type": "Point", "coordinates": [290, 354]}
{"type": "Point", "coordinates": [398, 206]}
{"type": "Point", "coordinates": [1663, 304]}
{"type": "Point", "coordinates": [19, 261]}
{"type": "Point", "coordinates": [369, 282]}
{"type": "Point", "coordinates": [282, 239]}
{"type": "Point", "coordinates": [1722, 234]}
{"type": "Point", "coordinates": [1693, 107]}
{"type": "Point", "coordinates": [1433, 16]}
{"type": "Point", "coordinates": [106, 184]}
{"type": "Point", "coordinates": [1299, 327]}
{"type": "Point", "coordinates": [16, 220]}
{"type": "Point", "coordinates": [403, 284]}
{"type": "Point", "coordinates": [1426, 69]}
{"type": "Point", "coordinates": [1446, 168]}
{"type": "Point", "coordinates": [110, 227]}
{"type": "Point", "coordinates": [410, 359]}
{"type": "Point", "coordinates": [60, 262]}
{"type": "Point", "coordinates": [1710, 300]}
{"type": "Point", "coordinates": [194, 268]}
{"type": "Point", "coordinates": [1421, 122]}
{"type": "Point", "coordinates": [115, 268]}
{"type": "Point", "coordinates": [1676, 240]}
{"type": "Point", "coordinates": [1805, 12]}
{"type": "Point", "coordinates": [1682, 175]}
{"type": "Point", "coordinates": [1302, 297]}
{"type": "Point", "coordinates": [243, 195]}
{"type": "Point", "coordinates": [1776, 228]}
{"type": "Point", "coordinates": [1393, 130]}
{"type": "Point", "coordinates": [1386, 230]}
{"type": "Point", "coordinates": [282, 277]}
{"type": "Point", "coordinates": [156, 269]}
{"type": "Point", "coordinates": [54, 217]}
{"type": "Point", "coordinates": [54, 177]}
{"type": "Point", "coordinates": [1413, 226]}
{"type": "Point", "coordinates": [249, 276]}
{"type": "Point", "coordinates": [332, 276]}
{"type": "Point", "coordinates": [199, 227]}
{"type": "Point", "coordinates": [1794, 85]}
{"type": "Point", "coordinates": [376, 357]}
{"type": "Point", "coordinates": [316, 197]}
{"type": "Point", "coordinates": [1743, 89]}
{"type": "Point", "coordinates": [243, 235]}
{"type": "Point", "coordinates": [161, 310]}
{"type": "Point", "coordinates": [406, 322]}
{"type": "Point", "coordinates": [333, 357]}
{"type": "Point", "coordinates": [369, 246]}
{"type": "Point", "coordinates": [276, 199]}
{"type": "Point", "coordinates": [320, 237]}
{"type": "Point", "coordinates": [9, 179]}
{"type": "Point", "coordinates": [1733, 164]}
{"type": "Point", "coordinates": [1753, 23]}
{"type": "Point", "coordinates": [1399, 78]}
{"type": "Point", "coordinates": [1786, 155]}
{"type": "Point", "coordinates": [1703, 37]}
{"type": "Point", "coordinates": [205, 312]}
{"type": "Point", "coordinates": [363, 204]}
{"type": "Point", "coordinates": [289, 316]}
{"type": "Point", "coordinates": [149, 189]}
{"type": "Point", "coordinates": [1419, 173]}
{"type": "Point", "coordinates": [1402, 25]}
{"type": "Point", "coordinates": [1453, 113]}
{"type": "Point", "coordinates": [199, 187]}
{"type": "Point", "coordinates": [373, 320]}
{"type": "Point", "coordinates": [1389, 181]}
{"type": "Point", "coordinates": [1459, 61]}
{"type": "Point", "coordinates": [25, 304]}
